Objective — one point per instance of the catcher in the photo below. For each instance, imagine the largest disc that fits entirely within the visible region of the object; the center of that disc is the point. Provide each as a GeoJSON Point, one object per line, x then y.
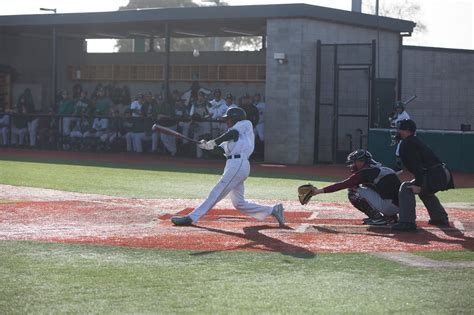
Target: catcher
{"type": "Point", "coordinates": [372, 189]}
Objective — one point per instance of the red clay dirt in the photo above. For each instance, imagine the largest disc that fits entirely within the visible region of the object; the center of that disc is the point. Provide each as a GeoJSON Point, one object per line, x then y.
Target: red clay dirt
{"type": "Point", "coordinates": [55, 216]}
{"type": "Point", "coordinates": [326, 227]}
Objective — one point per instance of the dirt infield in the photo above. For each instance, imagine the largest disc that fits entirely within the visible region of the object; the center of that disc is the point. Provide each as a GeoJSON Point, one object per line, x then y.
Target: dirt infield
{"type": "Point", "coordinates": [55, 216]}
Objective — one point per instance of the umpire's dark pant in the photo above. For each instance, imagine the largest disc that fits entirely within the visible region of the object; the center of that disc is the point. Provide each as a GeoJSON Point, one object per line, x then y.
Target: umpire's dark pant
{"type": "Point", "coordinates": [407, 204]}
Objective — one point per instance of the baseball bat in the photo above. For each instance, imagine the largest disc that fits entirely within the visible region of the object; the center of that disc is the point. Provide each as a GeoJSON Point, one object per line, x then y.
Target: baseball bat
{"type": "Point", "coordinates": [409, 100]}
{"type": "Point", "coordinates": [172, 132]}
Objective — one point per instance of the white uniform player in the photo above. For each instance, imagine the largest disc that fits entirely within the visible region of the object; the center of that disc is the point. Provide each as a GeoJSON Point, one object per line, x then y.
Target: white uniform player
{"type": "Point", "coordinates": [4, 127]}
{"type": "Point", "coordinates": [260, 129]}
{"type": "Point", "coordinates": [216, 111]}
{"type": "Point", "coordinates": [218, 108]}
{"type": "Point", "coordinates": [400, 115]}
{"type": "Point", "coordinates": [237, 144]}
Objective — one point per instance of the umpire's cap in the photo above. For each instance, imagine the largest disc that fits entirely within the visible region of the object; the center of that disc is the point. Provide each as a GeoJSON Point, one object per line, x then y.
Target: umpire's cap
{"type": "Point", "coordinates": [407, 124]}
{"type": "Point", "coordinates": [235, 113]}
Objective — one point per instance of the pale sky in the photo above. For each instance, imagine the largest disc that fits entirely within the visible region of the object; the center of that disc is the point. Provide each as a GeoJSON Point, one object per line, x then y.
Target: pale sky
{"type": "Point", "coordinates": [449, 22]}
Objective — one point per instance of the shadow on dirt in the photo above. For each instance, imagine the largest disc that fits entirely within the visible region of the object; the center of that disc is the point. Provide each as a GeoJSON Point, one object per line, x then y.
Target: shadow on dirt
{"type": "Point", "coordinates": [261, 242]}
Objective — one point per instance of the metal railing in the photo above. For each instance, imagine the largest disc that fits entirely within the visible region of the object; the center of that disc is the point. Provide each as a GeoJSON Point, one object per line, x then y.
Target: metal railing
{"type": "Point", "coordinates": [48, 130]}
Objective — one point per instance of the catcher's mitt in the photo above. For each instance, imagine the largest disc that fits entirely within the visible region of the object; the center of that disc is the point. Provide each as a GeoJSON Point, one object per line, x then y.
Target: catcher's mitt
{"type": "Point", "coordinates": [305, 192]}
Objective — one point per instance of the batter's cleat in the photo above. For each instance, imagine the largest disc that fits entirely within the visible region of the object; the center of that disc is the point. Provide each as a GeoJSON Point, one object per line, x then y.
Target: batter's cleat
{"type": "Point", "coordinates": [277, 212]}
{"type": "Point", "coordinates": [404, 226]}
{"type": "Point", "coordinates": [182, 221]}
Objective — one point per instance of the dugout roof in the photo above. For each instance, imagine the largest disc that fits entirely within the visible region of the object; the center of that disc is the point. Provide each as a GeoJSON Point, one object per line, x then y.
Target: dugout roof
{"type": "Point", "coordinates": [222, 21]}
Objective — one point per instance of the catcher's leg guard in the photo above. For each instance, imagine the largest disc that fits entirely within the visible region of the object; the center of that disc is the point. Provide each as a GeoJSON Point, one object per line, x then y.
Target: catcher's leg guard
{"type": "Point", "coordinates": [363, 205]}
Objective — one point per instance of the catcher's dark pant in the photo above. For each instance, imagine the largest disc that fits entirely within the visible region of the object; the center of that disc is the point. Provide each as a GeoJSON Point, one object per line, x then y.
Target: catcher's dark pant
{"type": "Point", "coordinates": [407, 204]}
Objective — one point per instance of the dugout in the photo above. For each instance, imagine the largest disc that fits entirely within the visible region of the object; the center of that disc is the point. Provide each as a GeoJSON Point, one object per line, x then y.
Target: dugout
{"type": "Point", "coordinates": [327, 74]}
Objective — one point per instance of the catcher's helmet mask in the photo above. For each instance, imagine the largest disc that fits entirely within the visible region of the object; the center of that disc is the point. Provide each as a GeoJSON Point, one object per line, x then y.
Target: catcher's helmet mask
{"type": "Point", "coordinates": [235, 114]}
{"type": "Point", "coordinates": [359, 155]}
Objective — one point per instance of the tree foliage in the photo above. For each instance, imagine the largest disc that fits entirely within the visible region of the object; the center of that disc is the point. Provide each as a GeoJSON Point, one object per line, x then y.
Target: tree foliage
{"type": "Point", "coordinates": [400, 9]}
{"type": "Point", "coordinates": [186, 44]}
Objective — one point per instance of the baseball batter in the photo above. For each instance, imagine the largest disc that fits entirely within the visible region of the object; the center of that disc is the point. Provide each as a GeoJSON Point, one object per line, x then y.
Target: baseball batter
{"type": "Point", "coordinates": [237, 144]}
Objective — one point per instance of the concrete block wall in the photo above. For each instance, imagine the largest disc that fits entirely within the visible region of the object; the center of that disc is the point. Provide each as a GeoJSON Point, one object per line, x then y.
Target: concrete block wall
{"type": "Point", "coordinates": [290, 87]}
{"type": "Point", "coordinates": [443, 80]}
{"type": "Point", "coordinates": [32, 58]}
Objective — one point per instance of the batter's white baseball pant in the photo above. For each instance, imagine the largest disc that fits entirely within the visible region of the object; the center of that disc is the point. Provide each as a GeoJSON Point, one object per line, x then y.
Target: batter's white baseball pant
{"type": "Point", "coordinates": [231, 183]}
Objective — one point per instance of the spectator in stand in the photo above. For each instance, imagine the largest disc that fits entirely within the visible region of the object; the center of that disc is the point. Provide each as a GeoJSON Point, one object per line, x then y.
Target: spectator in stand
{"type": "Point", "coordinates": [122, 125]}
{"type": "Point", "coordinates": [183, 120]}
{"type": "Point", "coordinates": [216, 113]}
{"type": "Point", "coordinates": [175, 95]}
{"type": "Point", "coordinates": [19, 125]}
{"type": "Point", "coordinates": [250, 110]}
{"type": "Point", "coordinates": [136, 106]}
{"type": "Point", "coordinates": [79, 128]}
{"type": "Point", "coordinates": [165, 116]}
{"type": "Point", "coordinates": [76, 91]}
{"type": "Point", "coordinates": [229, 101]}
{"type": "Point", "coordinates": [65, 111]}
{"type": "Point", "coordinates": [4, 127]}
{"type": "Point", "coordinates": [30, 113]}
{"type": "Point", "coordinates": [127, 129]}
{"type": "Point", "coordinates": [48, 127]}
{"type": "Point", "coordinates": [81, 106]}
{"type": "Point", "coordinates": [257, 101]}
{"type": "Point", "coordinates": [260, 128]}
{"type": "Point", "coordinates": [218, 106]}
{"type": "Point", "coordinates": [137, 134]}
{"type": "Point", "coordinates": [200, 106]}
{"type": "Point", "coordinates": [115, 127]}
{"type": "Point", "coordinates": [199, 127]}
{"type": "Point", "coordinates": [102, 103]}
{"type": "Point", "coordinates": [99, 129]}
{"type": "Point", "coordinates": [150, 104]}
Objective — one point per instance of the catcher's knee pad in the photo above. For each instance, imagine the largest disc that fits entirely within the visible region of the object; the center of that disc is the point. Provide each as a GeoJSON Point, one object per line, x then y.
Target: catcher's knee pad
{"type": "Point", "coordinates": [361, 204]}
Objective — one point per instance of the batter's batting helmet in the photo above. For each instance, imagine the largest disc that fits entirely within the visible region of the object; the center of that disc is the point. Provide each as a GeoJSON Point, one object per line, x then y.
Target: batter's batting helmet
{"type": "Point", "coordinates": [235, 113]}
{"type": "Point", "coordinates": [400, 105]}
{"type": "Point", "coordinates": [407, 124]}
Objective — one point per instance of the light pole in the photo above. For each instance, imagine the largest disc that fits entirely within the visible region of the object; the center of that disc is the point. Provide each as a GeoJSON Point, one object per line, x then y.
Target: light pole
{"type": "Point", "coordinates": [54, 61]}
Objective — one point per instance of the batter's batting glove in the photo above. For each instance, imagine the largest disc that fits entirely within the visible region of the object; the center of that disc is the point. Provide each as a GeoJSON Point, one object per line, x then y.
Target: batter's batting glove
{"type": "Point", "coordinates": [207, 145]}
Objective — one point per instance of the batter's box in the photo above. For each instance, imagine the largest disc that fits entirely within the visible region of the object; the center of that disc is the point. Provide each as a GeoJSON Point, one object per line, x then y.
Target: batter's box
{"type": "Point", "coordinates": [235, 215]}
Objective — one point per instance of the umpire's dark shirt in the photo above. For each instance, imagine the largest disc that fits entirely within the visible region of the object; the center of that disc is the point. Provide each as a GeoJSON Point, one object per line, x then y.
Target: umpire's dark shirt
{"type": "Point", "coordinates": [417, 157]}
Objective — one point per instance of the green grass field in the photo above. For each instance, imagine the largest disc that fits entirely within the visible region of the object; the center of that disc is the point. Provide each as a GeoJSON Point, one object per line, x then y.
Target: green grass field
{"type": "Point", "coordinates": [56, 278]}
{"type": "Point", "coordinates": [166, 182]}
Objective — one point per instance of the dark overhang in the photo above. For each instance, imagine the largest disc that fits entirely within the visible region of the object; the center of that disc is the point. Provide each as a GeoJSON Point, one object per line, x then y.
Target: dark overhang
{"type": "Point", "coordinates": [208, 21]}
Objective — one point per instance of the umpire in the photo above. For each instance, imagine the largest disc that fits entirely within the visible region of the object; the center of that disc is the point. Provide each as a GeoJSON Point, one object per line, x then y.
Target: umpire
{"type": "Point", "coordinates": [431, 176]}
